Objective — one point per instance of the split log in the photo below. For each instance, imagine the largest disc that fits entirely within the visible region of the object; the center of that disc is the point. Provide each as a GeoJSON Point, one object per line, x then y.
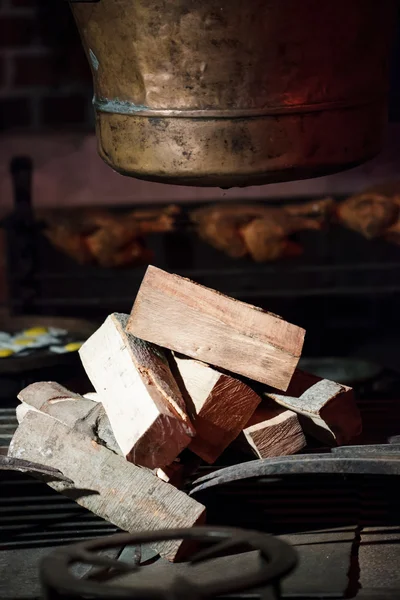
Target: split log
{"type": "Point", "coordinates": [274, 431]}
{"type": "Point", "coordinates": [206, 325]}
{"type": "Point", "coordinates": [221, 406]}
{"type": "Point", "coordinates": [302, 381]}
{"type": "Point", "coordinates": [69, 408]}
{"type": "Point", "coordinates": [130, 497]}
{"type": "Point", "coordinates": [327, 410]}
{"type": "Point", "coordinates": [141, 398]}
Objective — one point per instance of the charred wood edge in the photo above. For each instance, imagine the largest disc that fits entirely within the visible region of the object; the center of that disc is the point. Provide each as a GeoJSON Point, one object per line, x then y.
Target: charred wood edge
{"type": "Point", "coordinates": [278, 560]}
{"type": "Point", "coordinates": [91, 425]}
{"type": "Point", "coordinates": [25, 466]}
{"type": "Point", "coordinates": [383, 459]}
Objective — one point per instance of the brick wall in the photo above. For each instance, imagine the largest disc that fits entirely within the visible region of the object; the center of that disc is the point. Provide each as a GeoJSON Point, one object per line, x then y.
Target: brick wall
{"type": "Point", "coordinates": [45, 81]}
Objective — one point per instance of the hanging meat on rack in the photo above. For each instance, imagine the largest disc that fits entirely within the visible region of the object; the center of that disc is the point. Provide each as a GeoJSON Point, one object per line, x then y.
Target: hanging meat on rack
{"type": "Point", "coordinates": [107, 239]}
{"type": "Point", "coordinates": [266, 239]}
{"type": "Point", "coordinates": [258, 230]}
{"type": "Point", "coordinates": [218, 225]}
{"type": "Point", "coordinates": [391, 190]}
{"type": "Point", "coordinates": [370, 213]}
{"type": "Point", "coordinates": [70, 242]}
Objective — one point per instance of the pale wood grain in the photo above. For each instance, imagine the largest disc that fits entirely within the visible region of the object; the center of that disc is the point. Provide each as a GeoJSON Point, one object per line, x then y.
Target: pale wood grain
{"type": "Point", "coordinates": [222, 406]}
{"type": "Point", "coordinates": [274, 431]}
{"type": "Point", "coordinates": [326, 409]}
{"type": "Point", "coordinates": [130, 497]}
{"type": "Point", "coordinates": [201, 323]}
{"type": "Point", "coordinates": [140, 395]}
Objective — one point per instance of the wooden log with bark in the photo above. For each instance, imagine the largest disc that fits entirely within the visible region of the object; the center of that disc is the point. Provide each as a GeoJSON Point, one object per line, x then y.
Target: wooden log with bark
{"type": "Point", "coordinates": [73, 410]}
{"type": "Point", "coordinates": [327, 410]}
{"type": "Point", "coordinates": [140, 395]}
{"type": "Point", "coordinates": [274, 431]}
{"type": "Point", "coordinates": [129, 496]}
{"type": "Point", "coordinates": [219, 404]}
{"type": "Point", "coordinates": [203, 324]}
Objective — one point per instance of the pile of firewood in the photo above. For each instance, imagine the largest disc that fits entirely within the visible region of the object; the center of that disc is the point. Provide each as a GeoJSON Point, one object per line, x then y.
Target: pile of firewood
{"type": "Point", "coordinates": [176, 376]}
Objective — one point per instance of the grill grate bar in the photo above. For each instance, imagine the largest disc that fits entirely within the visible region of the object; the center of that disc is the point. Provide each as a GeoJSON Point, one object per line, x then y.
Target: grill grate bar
{"type": "Point", "coordinates": [8, 425]}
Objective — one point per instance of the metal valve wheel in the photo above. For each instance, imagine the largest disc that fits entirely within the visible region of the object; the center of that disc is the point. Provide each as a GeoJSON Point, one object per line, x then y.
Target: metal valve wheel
{"type": "Point", "coordinates": [271, 561]}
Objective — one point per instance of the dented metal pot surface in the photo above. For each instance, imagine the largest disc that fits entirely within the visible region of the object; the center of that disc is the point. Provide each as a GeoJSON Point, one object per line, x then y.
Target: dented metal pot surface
{"type": "Point", "coordinates": [237, 92]}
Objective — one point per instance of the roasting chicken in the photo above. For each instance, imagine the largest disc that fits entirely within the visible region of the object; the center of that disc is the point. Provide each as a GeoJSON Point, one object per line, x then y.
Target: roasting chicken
{"type": "Point", "coordinates": [389, 226]}
{"type": "Point", "coordinates": [369, 213]}
{"type": "Point", "coordinates": [106, 239]}
{"type": "Point", "coordinates": [258, 230]}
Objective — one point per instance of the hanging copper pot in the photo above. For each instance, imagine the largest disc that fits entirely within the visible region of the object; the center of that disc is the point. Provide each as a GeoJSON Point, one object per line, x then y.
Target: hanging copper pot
{"type": "Point", "coordinates": [237, 92]}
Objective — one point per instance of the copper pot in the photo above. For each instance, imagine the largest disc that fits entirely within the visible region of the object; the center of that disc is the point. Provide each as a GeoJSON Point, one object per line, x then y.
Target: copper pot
{"type": "Point", "coordinates": [237, 92]}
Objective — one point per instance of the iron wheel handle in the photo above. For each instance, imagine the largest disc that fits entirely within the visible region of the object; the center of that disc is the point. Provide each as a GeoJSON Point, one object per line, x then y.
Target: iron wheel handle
{"type": "Point", "coordinates": [278, 560]}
